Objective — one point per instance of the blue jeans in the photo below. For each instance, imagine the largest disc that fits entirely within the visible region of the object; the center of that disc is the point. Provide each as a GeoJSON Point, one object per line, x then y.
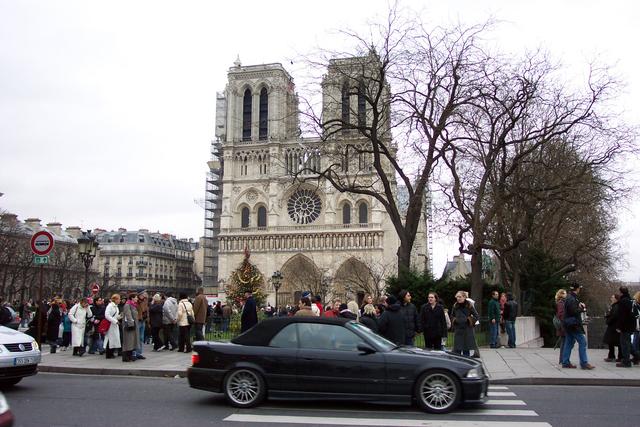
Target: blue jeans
{"type": "Point", "coordinates": [141, 336]}
{"type": "Point", "coordinates": [493, 334]}
{"type": "Point", "coordinates": [570, 339]}
{"type": "Point", "coordinates": [97, 344]}
{"type": "Point", "coordinates": [225, 324]}
{"type": "Point", "coordinates": [409, 341]}
{"type": "Point", "coordinates": [510, 326]}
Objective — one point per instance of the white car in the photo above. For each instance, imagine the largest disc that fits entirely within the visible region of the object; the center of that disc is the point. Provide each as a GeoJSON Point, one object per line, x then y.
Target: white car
{"type": "Point", "coordinates": [19, 356]}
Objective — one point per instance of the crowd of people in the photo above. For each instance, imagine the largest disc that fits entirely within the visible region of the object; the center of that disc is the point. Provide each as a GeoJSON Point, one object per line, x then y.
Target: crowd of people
{"type": "Point", "coordinates": [623, 324]}
{"type": "Point", "coordinates": [120, 325]}
{"type": "Point", "coordinates": [396, 318]}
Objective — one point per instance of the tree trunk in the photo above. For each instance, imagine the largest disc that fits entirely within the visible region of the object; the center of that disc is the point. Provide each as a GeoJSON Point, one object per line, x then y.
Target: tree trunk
{"type": "Point", "coordinates": [515, 289]}
{"type": "Point", "coordinates": [404, 259]}
{"type": "Point", "coordinates": [476, 278]}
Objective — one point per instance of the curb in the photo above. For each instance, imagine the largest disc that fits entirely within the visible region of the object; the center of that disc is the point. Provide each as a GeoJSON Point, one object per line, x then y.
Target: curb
{"type": "Point", "coordinates": [157, 373]}
{"type": "Point", "coordinates": [609, 382]}
{"type": "Point", "coordinates": [113, 371]}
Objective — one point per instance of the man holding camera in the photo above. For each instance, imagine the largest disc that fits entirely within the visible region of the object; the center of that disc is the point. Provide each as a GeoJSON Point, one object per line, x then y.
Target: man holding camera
{"type": "Point", "coordinates": [574, 331]}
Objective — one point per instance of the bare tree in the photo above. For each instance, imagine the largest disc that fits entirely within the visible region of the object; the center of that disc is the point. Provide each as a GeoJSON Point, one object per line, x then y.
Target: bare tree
{"type": "Point", "coordinates": [522, 109]}
{"type": "Point", "coordinates": [406, 81]}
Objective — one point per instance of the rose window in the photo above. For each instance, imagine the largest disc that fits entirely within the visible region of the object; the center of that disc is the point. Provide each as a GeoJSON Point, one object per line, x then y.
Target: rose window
{"type": "Point", "coordinates": [304, 206]}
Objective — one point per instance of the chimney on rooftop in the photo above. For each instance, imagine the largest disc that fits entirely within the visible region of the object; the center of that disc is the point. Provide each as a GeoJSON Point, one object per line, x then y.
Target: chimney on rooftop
{"type": "Point", "coordinates": [33, 223]}
{"type": "Point", "coordinates": [55, 228]}
{"type": "Point", "coordinates": [74, 232]}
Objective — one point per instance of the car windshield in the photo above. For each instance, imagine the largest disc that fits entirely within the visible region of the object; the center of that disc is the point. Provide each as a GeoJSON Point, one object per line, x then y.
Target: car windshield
{"type": "Point", "coordinates": [379, 341]}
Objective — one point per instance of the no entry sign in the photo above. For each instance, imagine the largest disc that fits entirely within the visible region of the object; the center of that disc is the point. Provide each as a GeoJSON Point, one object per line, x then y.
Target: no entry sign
{"type": "Point", "coordinates": [95, 288]}
{"type": "Point", "coordinates": [41, 243]}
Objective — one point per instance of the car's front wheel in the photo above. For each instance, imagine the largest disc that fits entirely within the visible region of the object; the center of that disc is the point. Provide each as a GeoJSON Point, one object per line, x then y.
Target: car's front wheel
{"type": "Point", "coordinates": [244, 388]}
{"type": "Point", "coordinates": [438, 391]}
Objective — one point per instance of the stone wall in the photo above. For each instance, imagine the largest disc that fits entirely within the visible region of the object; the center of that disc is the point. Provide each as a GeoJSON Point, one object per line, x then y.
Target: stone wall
{"type": "Point", "coordinates": [527, 333]}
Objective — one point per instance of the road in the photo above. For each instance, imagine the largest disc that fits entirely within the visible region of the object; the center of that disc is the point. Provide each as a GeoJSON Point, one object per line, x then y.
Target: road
{"type": "Point", "coordinates": [80, 400]}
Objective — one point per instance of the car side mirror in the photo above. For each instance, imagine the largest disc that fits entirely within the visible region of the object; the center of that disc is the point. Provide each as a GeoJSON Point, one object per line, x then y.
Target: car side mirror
{"type": "Point", "coordinates": [366, 348]}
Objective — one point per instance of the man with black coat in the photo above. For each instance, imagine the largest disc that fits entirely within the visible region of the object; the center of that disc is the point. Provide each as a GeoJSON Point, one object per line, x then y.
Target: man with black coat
{"type": "Point", "coordinates": [391, 322]}
{"type": "Point", "coordinates": [98, 308]}
{"type": "Point", "coordinates": [433, 323]}
{"type": "Point", "coordinates": [626, 325]}
{"type": "Point", "coordinates": [411, 319]}
{"type": "Point", "coordinates": [249, 316]}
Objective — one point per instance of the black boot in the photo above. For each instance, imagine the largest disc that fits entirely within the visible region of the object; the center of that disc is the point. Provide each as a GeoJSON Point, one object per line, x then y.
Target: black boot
{"type": "Point", "coordinates": [110, 355]}
{"type": "Point", "coordinates": [52, 349]}
{"type": "Point", "coordinates": [75, 351]}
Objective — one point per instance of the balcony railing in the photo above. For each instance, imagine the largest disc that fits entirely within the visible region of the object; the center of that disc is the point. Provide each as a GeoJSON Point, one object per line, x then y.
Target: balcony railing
{"type": "Point", "coordinates": [302, 228]}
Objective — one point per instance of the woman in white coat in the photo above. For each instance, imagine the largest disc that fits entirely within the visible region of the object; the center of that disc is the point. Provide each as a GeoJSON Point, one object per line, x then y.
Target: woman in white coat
{"type": "Point", "coordinates": [78, 316]}
{"type": "Point", "coordinates": [112, 337]}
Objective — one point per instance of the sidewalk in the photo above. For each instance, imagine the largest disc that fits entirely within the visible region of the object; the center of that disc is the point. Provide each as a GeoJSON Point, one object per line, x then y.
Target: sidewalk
{"type": "Point", "coordinates": [539, 366]}
{"type": "Point", "coordinates": [534, 366]}
{"type": "Point", "coordinates": [157, 364]}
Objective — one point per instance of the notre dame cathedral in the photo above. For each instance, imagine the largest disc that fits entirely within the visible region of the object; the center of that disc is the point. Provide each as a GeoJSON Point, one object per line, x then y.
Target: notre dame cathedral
{"type": "Point", "coordinates": [333, 244]}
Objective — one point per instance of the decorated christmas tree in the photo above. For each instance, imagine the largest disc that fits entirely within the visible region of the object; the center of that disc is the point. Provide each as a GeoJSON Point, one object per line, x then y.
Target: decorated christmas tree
{"type": "Point", "coordinates": [245, 278]}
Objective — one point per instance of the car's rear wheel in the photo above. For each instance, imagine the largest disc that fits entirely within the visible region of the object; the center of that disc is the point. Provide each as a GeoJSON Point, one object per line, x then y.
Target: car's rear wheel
{"type": "Point", "coordinates": [244, 388]}
{"type": "Point", "coordinates": [438, 391]}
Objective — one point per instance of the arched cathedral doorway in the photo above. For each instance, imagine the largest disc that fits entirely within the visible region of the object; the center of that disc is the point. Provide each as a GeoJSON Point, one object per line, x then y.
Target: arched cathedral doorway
{"type": "Point", "coordinates": [353, 281]}
{"type": "Point", "coordinates": [299, 274]}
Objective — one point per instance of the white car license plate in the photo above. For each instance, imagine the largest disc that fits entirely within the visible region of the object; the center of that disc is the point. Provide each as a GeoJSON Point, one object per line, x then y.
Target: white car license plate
{"type": "Point", "coordinates": [18, 361]}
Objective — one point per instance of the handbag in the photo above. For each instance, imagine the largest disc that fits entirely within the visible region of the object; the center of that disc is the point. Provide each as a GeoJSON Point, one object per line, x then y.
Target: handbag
{"type": "Point", "coordinates": [190, 317]}
{"type": "Point", "coordinates": [103, 326]}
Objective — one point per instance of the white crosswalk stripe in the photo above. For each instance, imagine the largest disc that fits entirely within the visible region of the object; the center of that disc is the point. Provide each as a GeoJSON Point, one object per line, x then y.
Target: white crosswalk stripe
{"type": "Point", "coordinates": [285, 419]}
{"type": "Point", "coordinates": [501, 410]}
{"type": "Point", "coordinates": [501, 394]}
{"type": "Point", "coordinates": [506, 402]}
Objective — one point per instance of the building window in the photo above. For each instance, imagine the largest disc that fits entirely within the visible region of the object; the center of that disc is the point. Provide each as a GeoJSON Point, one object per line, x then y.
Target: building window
{"type": "Point", "coordinates": [262, 216]}
{"type": "Point", "coordinates": [244, 166]}
{"type": "Point", "coordinates": [246, 116]}
{"type": "Point", "coordinates": [304, 206]}
{"type": "Point", "coordinates": [245, 218]}
{"type": "Point", "coordinates": [363, 213]}
{"type": "Point", "coordinates": [264, 114]}
{"type": "Point", "coordinates": [362, 106]}
{"type": "Point", "coordinates": [346, 213]}
{"type": "Point", "coordinates": [262, 163]}
{"type": "Point", "coordinates": [345, 104]}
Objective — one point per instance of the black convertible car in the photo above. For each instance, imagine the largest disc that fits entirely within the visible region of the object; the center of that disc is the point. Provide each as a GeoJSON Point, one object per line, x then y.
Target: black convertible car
{"type": "Point", "coordinates": [332, 358]}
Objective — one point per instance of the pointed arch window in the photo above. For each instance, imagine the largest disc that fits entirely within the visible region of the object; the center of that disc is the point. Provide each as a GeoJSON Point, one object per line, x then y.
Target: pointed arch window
{"type": "Point", "coordinates": [362, 105]}
{"type": "Point", "coordinates": [346, 213]}
{"type": "Point", "coordinates": [262, 216]}
{"type": "Point", "coordinates": [345, 104]}
{"type": "Point", "coordinates": [363, 213]}
{"type": "Point", "coordinates": [246, 115]}
{"type": "Point", "coordinates": [264, 114]}
{"type": "Point", "coordinates": [245, 218]}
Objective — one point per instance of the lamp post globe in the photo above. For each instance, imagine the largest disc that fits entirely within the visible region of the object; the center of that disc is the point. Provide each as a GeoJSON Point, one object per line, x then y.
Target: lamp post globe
{"type": "Point", "coordinates": [276, 281]}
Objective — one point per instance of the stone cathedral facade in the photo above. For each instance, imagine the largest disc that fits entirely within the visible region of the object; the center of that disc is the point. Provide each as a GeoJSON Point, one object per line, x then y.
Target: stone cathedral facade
{"type": "Point", "coordinates": [334, 244]}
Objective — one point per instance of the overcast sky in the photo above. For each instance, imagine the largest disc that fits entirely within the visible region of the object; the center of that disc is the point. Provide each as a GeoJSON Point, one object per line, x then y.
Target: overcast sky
{"type": "Point", "coordinates": [107, 109]}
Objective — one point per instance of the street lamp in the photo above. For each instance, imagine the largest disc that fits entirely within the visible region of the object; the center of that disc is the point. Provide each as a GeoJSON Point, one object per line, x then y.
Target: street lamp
{"type": "Point", "coordinates": [87, 249]}
{"type": "Point", "coordinates": [276, 281]}
{"type": "Point", "coordinates": [324, 285]}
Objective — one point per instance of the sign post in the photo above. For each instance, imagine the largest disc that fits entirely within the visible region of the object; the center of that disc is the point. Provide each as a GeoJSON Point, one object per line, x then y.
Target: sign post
{"type": "Point", "coordinates": [41, 246]}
